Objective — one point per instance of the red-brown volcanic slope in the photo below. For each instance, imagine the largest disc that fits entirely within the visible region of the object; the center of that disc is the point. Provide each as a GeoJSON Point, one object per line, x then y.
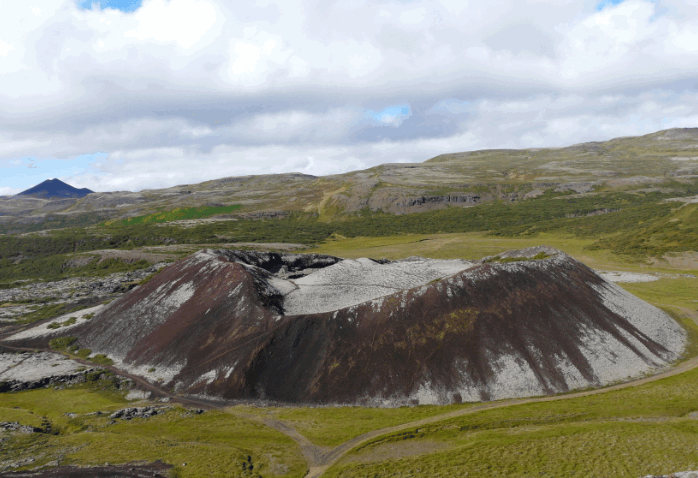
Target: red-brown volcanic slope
{"type": "Point", "coordinates": [213, 324]}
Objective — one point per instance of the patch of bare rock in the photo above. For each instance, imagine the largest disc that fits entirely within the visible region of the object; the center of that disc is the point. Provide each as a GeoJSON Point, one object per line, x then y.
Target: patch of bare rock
{"type": "Point", "coordinates": [622, 276]}
{"type": "Point", "coordinates": [315, 329]}
{"type": "Point", "coordinates": [28, 371]}
{"type": "Point", "coordinates": [22, 300]}
{"type": "Point", "coordinates": [16, 427]}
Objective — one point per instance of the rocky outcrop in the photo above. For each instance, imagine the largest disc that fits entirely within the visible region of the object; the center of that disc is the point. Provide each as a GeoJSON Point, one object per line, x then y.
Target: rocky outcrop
{"type": "Point", "coordinates": [580, 187]}
{"type": "Point", "coordinates": [264, 215]}
{"type": "Point", "coordinates": [138, 412]}
{"type": "Point", "coordinates": [16, 427]}
{"type": "Point", "coordinates": [458, 199]}
{"type": "Point", "coordinates": [29, 371]}
{"type": "Point", "coordinates": [405, 201]}
{"type": "Point", "coordinates": [597, 212]}
{"type": "Point", "coordinates": [20, 385]}
{"type": "Point", "coordinates": [302, 328]}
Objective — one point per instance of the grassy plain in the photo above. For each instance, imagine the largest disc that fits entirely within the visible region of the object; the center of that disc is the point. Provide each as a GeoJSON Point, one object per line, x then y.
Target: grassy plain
{"type": "Point", "coordinates": [476, 245]}
{"type": "Point", "coordinates": [332, 426]}
{"type": "Point", "coordinates": [605, 448]}
{"type": "Point", "coordinates": [637, 225]}
{"type": "Point", "coordinates": [55, 268]}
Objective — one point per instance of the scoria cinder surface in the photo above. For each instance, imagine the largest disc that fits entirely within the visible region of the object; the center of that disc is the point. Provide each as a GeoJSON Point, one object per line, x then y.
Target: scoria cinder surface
{"type": "Point", "coordinates": [311, 329]}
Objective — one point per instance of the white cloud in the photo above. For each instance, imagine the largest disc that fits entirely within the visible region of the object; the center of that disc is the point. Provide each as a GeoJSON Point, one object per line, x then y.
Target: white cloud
{"type": "Point", "coordinates": [413, 17]}
{"type": "Point", "coordinates": [5, 47]}
{"type": "Point", "coordinates": [252, 87]}
{"type": "Point", "coordinates": [182, 21]}
{"type": "Point", "coordinates": [247, 57]}
{"type": "Point", "coordinates": [9, 191]}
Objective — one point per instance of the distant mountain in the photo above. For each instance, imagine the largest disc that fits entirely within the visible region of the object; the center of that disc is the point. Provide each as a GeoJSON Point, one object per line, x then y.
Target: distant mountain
{"type": "Point", "coordinates": [55, 188]}
{"type": "Point", "coordinates": [460, 179]}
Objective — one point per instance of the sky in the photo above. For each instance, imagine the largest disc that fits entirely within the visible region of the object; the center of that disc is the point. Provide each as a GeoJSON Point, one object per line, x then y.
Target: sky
{"type": "Point", "coordinates": [139, 94]}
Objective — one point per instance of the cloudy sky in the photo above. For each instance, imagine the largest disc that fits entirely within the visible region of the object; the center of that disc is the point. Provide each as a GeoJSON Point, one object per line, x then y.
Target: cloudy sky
{"type": "Point", "coordinates": [131, 94]}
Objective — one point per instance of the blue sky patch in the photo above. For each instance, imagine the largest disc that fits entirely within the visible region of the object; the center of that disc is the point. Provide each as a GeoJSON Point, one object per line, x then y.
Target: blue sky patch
{"type": "Point", "coordinates": [23, 173]}
{"type": "Point", "coordinates": [390, 116]}
{"type": "Point", "coordinates": [123, 5]}
{"type": "Point", "coordinates": [607, 3]}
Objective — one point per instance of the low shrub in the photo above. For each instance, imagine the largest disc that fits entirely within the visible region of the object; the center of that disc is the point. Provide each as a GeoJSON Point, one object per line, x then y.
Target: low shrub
{"type": "Point", "coordinates": [62, 342]}
{"type": "Point", "coordinates": [101, 359]}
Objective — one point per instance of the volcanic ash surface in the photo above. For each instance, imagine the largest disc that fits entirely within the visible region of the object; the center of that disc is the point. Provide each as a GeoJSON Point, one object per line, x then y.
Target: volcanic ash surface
{"type": "Point", "coordinates": [314, 329]}
{"type": "Point", "coordinates": [353, 281]}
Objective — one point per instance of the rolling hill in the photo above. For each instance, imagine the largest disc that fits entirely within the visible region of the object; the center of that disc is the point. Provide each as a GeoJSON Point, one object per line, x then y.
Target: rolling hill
{"type": "Point", "coordinates": [658, 161]}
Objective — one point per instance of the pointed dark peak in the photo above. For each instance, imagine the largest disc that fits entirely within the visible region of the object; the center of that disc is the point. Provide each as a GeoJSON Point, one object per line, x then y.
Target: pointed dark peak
{"type": "Point", "coordinates": [55, 188]}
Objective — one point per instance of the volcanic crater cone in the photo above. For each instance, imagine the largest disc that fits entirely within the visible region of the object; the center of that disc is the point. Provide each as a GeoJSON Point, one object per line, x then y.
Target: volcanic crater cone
{"type": "Point", "coordinates": [315, 329]}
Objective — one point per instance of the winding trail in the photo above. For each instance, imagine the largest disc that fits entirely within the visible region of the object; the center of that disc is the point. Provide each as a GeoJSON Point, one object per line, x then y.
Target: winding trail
{"type": "Point", "coordinates": [319, 458]}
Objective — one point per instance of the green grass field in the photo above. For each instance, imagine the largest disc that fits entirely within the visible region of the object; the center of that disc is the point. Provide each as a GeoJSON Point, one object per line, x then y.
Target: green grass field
{"type": "Point", "coordinates": [476, 245]}
{"type": "Point", "coordinates": [605, 448]}
{"type": "Point", "coordinates": [332, 426]}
